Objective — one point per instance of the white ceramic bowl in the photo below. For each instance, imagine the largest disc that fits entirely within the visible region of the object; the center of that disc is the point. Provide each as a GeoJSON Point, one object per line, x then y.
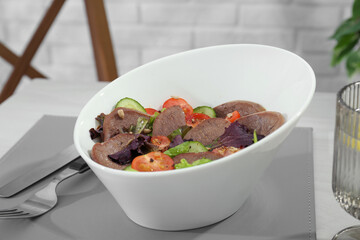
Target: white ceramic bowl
{"type": "Point", "coordinates": [199, 196]}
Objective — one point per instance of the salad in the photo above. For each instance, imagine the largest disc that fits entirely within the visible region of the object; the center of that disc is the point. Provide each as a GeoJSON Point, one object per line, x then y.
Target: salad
{"type": "Point", "coordinates": [175, 136]}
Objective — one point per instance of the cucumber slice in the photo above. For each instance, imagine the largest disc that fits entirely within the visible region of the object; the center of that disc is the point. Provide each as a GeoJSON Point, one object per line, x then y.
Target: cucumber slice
{"type": "Point", "coordinates": [130, 169]}
{"type": "Point", "coordinates": [206, 110]}
{"type": "Point", "coordinates": [130, 103]}
{"type": "Point", "coordinates": [185, 147]}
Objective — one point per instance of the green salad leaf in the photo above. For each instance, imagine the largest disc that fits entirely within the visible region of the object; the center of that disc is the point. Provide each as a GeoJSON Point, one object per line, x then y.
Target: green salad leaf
{"type": "Point", "coordinates": [255, 139]}
{"type": "Point", "coordinates": [130, 169]}
{"type": "Point", "coordinates": [185, 147]}
{"type": "Point", "coordinates": [184, 164]}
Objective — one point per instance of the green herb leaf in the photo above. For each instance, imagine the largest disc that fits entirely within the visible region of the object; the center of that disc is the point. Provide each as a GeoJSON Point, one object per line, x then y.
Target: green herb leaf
{"type": "Point", "coordinates": [347, 36]}
{"type": "Point", "coordinates": [356, 9]}
{"type": "Point", "coordinates": [343, 47]}
{"type": "Point", "coordinates": [353, 63]}
{"type": "Point", "coordinates": [349, 26]}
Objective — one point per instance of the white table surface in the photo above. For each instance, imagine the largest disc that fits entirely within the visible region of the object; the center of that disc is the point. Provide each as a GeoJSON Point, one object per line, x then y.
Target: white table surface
{"type": "Point", "coordinates": [40, 97]}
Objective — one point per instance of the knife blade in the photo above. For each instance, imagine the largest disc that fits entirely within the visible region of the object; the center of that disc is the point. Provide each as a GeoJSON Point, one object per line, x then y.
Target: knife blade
{"type": "Point", "coordinates": [34, 175]}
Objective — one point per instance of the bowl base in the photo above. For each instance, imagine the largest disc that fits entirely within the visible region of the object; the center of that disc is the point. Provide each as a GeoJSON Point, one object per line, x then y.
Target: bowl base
{"type": "Point", "coordinates": [183, 227]}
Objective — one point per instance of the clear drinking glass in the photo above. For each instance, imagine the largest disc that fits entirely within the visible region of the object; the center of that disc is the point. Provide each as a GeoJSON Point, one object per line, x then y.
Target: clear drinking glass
{"type": "Point", "coordinates": [346, 162]}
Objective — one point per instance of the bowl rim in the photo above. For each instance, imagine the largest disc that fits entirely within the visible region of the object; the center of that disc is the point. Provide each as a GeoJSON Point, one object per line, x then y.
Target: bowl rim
{"type": "Point", "coordinates": [288, 123]}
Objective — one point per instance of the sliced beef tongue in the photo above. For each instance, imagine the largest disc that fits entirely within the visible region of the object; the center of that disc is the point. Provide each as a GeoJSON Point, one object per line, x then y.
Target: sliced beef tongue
{"type": "Point", "coordinates": [192, 157]}
{"type": "Point", "coordinates": [263, 122]}
{"type": "Point", "coordinates": [208, 130]}
{"type": "Point", "coordinates": [101, 151]}
{"type": "Point", "coordinates": [168, 121]}
{"type": "Point", "coordinates": [119, 122]}
{"type": "Point", "coordinates": [243, 107]}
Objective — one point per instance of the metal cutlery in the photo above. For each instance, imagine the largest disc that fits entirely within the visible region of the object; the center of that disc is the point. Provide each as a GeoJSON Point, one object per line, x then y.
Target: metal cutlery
{"type": "Point", "coordinates": [45, 199]}
{"type": "Point", "coordinates": [32, 176]}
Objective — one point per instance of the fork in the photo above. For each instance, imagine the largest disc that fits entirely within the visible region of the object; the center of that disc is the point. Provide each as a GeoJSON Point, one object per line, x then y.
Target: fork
{"type": "Point", "coordinates": [45, 199]}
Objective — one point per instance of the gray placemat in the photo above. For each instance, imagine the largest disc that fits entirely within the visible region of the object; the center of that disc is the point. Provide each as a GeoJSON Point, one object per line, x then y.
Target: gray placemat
{"type": "Point", "coordinates": [280, 207]}
{"type": "Point", "coordinates": [48, 136]}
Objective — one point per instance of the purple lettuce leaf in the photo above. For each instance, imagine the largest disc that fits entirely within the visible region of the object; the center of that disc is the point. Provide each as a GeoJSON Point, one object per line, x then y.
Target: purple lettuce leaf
{"type": "Point", "coordinates": [98, 132]}
{"type": "Point", "coordinates": [100, 118]}
{"type": "Point", "coordinates": [95, 133]}
{"type": "Point", "coordinates": [176, 141]}
{"type": "Point", "coordinates": [135, 148]}
{"type": "Point", "coordinates": [236, 135]}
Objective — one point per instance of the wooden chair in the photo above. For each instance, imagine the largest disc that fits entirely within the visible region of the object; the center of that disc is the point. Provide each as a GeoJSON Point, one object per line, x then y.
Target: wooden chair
{"type": "Point", "coordinates": [101, 42]}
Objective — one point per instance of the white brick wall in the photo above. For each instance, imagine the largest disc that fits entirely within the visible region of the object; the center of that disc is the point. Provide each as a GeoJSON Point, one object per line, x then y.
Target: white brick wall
{"type": "Point", "coordinates": [122, 12]}
{"type": "Point", "coordinates": [21, 10]}
{"type": "Point", "coordinates": [313, 40]}
{"type": "Point", "coordinates": [279, 38]}
{"type": "Point", "coordinates": [290, 16]}
{"type": "Point", "coordinates": [192, 13]}
{"type": "Point", "coordinates": [144, 30]}
{"type": "Point", "coordinates": [127, 58]}
{"type": "Point", "coordinates": [151, 36]}
{"type": "Point", "coordinates": [2, 31]}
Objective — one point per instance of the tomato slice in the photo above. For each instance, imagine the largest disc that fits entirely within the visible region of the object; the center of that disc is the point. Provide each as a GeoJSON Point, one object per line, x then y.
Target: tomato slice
{"type": "Point", "coordinates": [233, 116]}
{"type": "Point", "coordinates": [153, 161]}
{"type": "Point", "coordinates": [161, 142]}
{"type": "Point", "coordinates": [195, 118]}
{"type": "Point", "coordinates": [186, 107]}
{"type": "Point", "coordinates": [150, 111]}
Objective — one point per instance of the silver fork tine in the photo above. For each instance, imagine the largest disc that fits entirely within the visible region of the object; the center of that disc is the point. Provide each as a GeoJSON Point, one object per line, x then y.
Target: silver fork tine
{"type": "Point", "coordinates": [7, 210]}
{"type": "Point", "coordinates": [20, 215]}
{"type": "Point", "coordinates": [16, 213]}
{"type": "Point", "coordinates": [45, 199]}
{"type": "Point", "coordinates": [11, 213]}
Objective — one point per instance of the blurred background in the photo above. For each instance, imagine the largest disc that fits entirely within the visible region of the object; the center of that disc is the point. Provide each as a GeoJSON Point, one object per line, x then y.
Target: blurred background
{"type": "Point", "coordinates": [144, 30]}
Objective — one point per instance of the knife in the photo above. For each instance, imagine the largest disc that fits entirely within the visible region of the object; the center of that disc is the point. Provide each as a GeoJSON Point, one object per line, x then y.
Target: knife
{"type": "Point", "coordinates": [47, 167]}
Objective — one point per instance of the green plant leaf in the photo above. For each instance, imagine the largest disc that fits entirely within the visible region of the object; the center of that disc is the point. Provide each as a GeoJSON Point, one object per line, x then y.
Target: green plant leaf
{"type": "Point", "coordinates": [353, 63]}
{"type": "Point", "coordinates": [343, 47]}
{"type": "Point", "coordinates": [349, 26]}
{"type": "Point", "coordinates": [356, 9]}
